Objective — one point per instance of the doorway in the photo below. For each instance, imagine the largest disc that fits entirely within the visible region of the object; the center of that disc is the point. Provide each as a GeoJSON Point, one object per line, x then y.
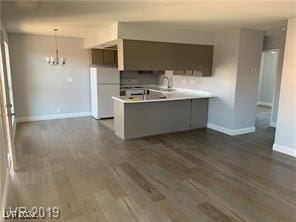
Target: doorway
{"type": "Point", "coordinates": [266, 87]}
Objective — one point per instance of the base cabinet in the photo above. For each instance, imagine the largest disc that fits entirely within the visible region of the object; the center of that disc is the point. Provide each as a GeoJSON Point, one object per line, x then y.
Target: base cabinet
{"type": "Point", "coordinates": [135, 120]}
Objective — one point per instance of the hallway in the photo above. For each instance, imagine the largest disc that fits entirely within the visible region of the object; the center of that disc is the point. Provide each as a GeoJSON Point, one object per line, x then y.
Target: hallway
{"type": "Point", "coordinates": [263, 114]}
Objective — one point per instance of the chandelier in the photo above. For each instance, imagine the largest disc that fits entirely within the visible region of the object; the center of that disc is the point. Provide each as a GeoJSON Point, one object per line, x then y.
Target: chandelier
{"type": "Point", "coordinates": [56, 60]}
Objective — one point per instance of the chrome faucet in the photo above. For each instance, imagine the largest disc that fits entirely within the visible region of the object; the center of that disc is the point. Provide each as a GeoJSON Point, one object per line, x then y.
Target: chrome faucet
{"type": "Point", "coordinates": [145, 93]}
{"type": "Point", "coordinates": [169, 83]}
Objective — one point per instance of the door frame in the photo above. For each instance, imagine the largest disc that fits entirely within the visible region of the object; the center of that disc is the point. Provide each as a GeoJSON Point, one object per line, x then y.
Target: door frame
{"type": "Point", "coordinates": [6, 109]}
{"type": "Point", "coordinates": [277, 51]}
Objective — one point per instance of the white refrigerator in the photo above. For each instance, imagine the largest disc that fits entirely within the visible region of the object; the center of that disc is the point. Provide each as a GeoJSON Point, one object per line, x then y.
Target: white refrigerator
{"type": "Point", "coordinates": [105, 83]}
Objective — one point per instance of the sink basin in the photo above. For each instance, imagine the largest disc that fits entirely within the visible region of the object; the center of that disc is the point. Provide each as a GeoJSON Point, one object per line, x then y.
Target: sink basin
{"type": "Point", "coordinates": [153, 95]}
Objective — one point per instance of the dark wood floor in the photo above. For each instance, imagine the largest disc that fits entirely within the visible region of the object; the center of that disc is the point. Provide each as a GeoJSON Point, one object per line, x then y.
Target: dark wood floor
{"type": "Point", "coordinates": [80, 166]}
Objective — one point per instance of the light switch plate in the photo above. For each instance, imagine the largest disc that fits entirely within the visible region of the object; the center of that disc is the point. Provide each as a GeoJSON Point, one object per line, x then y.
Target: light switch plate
{"type": "Point", "coordinates": [69, 79]}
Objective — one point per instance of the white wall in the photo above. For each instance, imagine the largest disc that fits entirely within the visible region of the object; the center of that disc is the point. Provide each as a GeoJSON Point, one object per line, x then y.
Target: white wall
{"type": "Point", "coordinates": [285, 138]}
{"type": "Point", "coordinates": [267, 81]}
{"type": "Point", "coordinates": [40, 89]}
{"type": "Point", "coordinates": [250, 48]}
{"type": "Point", "coordinates": [223, 81]}
{"type": "Point", "coordinates": [101, 36]}
{"type": "Point", "coordinates": [236, 51]}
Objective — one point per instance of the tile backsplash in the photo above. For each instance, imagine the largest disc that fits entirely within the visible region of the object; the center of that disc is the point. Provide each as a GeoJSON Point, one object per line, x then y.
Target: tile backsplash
{"type": "Point", "coordinates": [144, 79]}
{"type": "Point", "coordinates": [187, 82]}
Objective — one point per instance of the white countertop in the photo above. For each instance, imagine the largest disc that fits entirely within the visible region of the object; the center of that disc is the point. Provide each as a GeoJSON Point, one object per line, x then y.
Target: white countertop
{"type": "Point", "coordinates": [161, 95]}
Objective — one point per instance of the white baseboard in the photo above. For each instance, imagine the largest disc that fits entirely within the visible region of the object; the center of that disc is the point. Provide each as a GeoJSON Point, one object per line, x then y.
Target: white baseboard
{"type": "Point", "coordinates": [50, 117]}
{"type": "Point", "coordinates": [264, 104]}
{"type": "Point", "coordinates": [272, 124]}
{"type": "Point", "coordinates": [284, 149]}
{"type": "Point", "coordinates": [231, 132]}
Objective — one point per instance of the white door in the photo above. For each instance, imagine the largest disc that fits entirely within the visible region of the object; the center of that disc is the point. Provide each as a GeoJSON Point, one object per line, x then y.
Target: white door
{"type": "Point", "coordinates": [105, 101]}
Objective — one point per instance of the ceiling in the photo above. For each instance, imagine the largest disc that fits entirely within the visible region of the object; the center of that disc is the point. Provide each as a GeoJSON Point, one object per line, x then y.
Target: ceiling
{"type": "Point", "coordinates": [79, 18]}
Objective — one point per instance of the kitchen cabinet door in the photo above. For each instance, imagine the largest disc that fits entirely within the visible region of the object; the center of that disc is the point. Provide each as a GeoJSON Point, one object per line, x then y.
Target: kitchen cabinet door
{"type": "Point", "coordinates": [96, 56]}
{"type": "Point", "coordinates": [199, 113]}
{"type": "Point", "coordinates": [151, 55]}
{"type": "Point", "coordinates": [109, 57]}
{"type": "Point", "coordinates": [103, 57]}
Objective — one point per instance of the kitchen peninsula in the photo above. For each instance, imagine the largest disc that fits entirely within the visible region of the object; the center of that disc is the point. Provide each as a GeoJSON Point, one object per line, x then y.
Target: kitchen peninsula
{"type": "Point", "coordinates": [159, 112]}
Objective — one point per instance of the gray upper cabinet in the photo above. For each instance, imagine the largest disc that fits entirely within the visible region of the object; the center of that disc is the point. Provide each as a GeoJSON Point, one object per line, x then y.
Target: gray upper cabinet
{"type": "Point", "coordinates": [96, 56]}
{"type": "Point", "coordinates": [109, 57]}
{"type": "Point", "coordinates": [104, 57]}
{"type": "Point", "coordinates": [148, 55]}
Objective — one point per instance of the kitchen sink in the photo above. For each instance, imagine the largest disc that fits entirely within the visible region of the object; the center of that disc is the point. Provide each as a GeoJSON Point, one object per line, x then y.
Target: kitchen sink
{"type": "Point", "coordinates": [147, 97]}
